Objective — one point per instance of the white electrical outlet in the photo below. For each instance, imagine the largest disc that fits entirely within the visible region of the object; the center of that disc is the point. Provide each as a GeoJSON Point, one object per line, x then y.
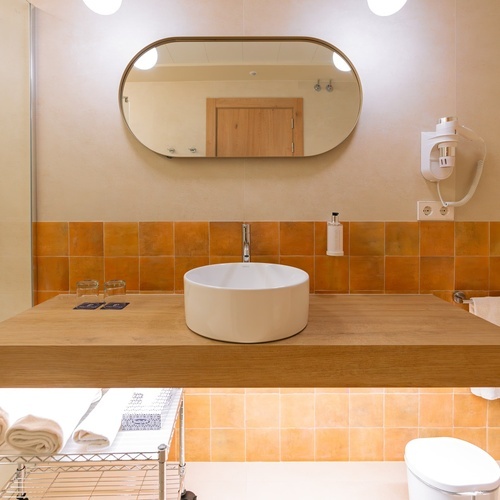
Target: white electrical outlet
{"type": "Point", "coordinates": [434, 210]}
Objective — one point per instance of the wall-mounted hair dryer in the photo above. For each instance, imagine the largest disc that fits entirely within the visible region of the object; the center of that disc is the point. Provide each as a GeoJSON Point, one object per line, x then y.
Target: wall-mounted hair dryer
{"type": "Point", "coordinates": [438, 155]}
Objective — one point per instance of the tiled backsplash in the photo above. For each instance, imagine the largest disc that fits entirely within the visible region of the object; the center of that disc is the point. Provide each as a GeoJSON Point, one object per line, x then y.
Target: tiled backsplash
{"type": "Point", "coordinates": [331, 424]}
{"type": "Point", "coordinates": [298, 424]}
{"type": "Point", "coordinates": [380, 257]}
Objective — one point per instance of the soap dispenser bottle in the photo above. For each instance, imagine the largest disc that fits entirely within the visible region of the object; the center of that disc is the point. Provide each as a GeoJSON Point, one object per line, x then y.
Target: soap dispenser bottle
{"type": "Point", "coordinates": [335, 236]}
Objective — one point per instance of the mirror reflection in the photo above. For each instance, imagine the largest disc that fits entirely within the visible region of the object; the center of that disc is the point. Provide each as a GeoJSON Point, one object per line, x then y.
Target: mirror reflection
{"type": "Point", "coordinates": [240, 97]}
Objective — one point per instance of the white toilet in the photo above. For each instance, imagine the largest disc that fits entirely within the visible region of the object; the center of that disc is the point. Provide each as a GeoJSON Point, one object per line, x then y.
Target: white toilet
{"type": "Point", "coordinates": [442, 468]}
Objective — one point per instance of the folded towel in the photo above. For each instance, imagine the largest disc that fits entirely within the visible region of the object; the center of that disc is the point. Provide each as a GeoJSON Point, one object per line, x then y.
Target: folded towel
{"type": "Point", "coordinates": [4, 423]}
{"type": "Point", "coordinates": [42, 420]}
{"type": "Point", "coordinates": [487, 308]}
{"type": "Point", "coordinates": [102, 424]}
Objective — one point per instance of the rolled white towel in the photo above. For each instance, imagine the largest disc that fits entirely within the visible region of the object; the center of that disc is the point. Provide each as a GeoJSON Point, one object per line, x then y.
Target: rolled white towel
{"type": "Point", "coordinates": [489, 393]}
{"type": "Point", "coordinates": [4, 424]}
{"type": "Point", "coordinates": [46, 418]}
{"type": "Point", "coordinates": [101, 425]}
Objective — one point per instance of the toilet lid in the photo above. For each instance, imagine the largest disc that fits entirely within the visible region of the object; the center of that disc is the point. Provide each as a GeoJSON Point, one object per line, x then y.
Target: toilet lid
{"type": "Point", "coordinates": [452, 465]}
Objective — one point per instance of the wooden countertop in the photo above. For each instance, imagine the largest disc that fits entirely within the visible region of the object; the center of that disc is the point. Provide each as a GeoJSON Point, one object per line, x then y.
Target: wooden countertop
{"type": "Point", "coordinates": [350, 341]}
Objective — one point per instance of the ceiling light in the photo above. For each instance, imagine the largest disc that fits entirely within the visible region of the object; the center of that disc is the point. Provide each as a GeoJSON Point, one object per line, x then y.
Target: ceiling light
{"type": "Point", "coordinates": [147, 60]}
{"type": "Point", "coordinates": [103, 7]}
{"type": "Point", "coordinates": [385, 7]}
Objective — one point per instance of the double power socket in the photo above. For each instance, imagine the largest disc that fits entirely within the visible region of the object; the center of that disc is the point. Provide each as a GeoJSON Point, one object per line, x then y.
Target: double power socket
{"type": "Point", "coordinates": [434, 210]}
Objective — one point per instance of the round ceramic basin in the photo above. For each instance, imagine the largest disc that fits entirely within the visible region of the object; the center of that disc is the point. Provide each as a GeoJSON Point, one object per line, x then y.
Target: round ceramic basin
{"type": "Point", "coordinates": [246, 302]}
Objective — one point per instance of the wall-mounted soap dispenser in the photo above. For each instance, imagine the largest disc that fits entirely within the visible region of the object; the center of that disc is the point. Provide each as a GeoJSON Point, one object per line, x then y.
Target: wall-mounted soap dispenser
{"type": "Point", "coordinates": [335, 236]}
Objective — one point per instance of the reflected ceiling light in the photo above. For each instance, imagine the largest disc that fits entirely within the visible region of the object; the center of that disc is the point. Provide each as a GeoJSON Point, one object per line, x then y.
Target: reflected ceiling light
{"type": "Point", "coordinates": [340, 63]}
{"type": "Point", "coordinates": [385, 7]}
{"type": "Point", "coordinates": [103, 7]}
{"type": "Point", "coordinates": [147, 60]}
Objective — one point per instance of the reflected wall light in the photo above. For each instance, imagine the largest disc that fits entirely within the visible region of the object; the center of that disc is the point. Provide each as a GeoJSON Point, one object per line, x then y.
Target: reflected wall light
{"type": "Point", "coordinates": [340, 63]}
{"type": "Point", "coordinates": [385, 7]}
{"type": "Point", "coordinates": [103, 7]}
{"type": "Point", "coordinates": [147, 60]}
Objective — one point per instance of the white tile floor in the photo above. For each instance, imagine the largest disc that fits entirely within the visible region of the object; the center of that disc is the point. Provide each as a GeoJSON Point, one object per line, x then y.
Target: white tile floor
{"type": "Point", "coordinates": [297, 481]}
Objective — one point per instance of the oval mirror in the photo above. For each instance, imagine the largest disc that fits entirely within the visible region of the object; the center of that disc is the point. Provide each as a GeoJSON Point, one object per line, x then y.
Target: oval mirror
{"type": "Point", "coordinates": [240, 97]}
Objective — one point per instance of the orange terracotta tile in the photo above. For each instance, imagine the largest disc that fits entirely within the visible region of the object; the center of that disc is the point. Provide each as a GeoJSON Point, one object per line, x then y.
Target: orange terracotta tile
{"type": "Point", "coordinates": [226, 238]}
{"type": "Point", "coordinates": [227, 390]}
{"type": "Point", "coordinates": [493, 443]}
{"type": "Point", "coordinates": [320, 238]}
{"type": "Point", "coordinates": [42, 296]}
{"type": "Point", "coordinates": [332, 444]}
{"type": "Point", "coordinates": [494, 413]}
{"type": "Point", "coordinates": [366, 444]}
{"type": "Point", "coordinates": [402, 274]}
{"type": "Point", "coordinates": [156, 238]}
{"type": "Point", "coordinates": [227, 411]}
{"type": "Point", "coordinates": [366, 410]}
{"type": "Point", "coordinates": [86, 239]}
{"type": "Point", "coordinates": [437, 273]}
{"type": "Point", "coordinates": [85, 268]}
{"type": "Point", "coordinates": [227, 445]}
{"type": "Point", "coordinates": [367, 238]}
{"type": "Point", "coordinates": [474, 435]}
{"type": "Point", "coordinates": [262, 410]}
{"type": "Point", "coordinates": [402, 238]}
{"type": "Point", "coordinates": [472, 238]}
{"type": "Point", "coordinates": [183, 265]}
{"type": "Point", "coordinates": [191, 239]}
{"type": "Point", "coordinates": [435, 432]}
{"type": "Point", "coordinates": [51, 239]}
{"type": "Point", "coordinates": [270, 259]}
{"type": "Point", "coordinates": [306, 263]}
{"type": "Point", "coordinates": [366, 274]}
{"type": "Point", "coordinates": [197, 411]}
{"type": "Point", "coordinates": [436, 410]}
{"type": "Point", "coordinates": [262, 445]}
{"type": "Point", "coordinates": [297, 445]}
{"type": "Point", "coordinates": [332, 410]}
{"type": "Point", "coordinates": [156, 273]}
{"type": "Point", "coordinates": [297, 410]}
{"type": "Point", "coordinates": [494, 273]}
{"type": "Point", "coordinates": [471, 273]}
{"type": "Point", "coordinates": [121, 239]}
{"type": "Point", "coordinates": [53, 273]}
{"type": "Point", "coordinates": [217, 259]}
{"type": "Point", "coordinates": [197, 445]}
{"type": "Point", "coordinates": [331, 274]}
{"type": "Point", "coordinates": [470, 411]}
{"type": "Point", "coordinates": [401, 410]}
{"type": "Point", "coordinates": [436, 390]}
{"type": "Point", "coordinates": [296, 238]}
{"type": "Point", "coordinates": [264, 238]}
{"type": "Point", "coordinates": [395, 440]}
{"type": "Point", "coordinates": [495, 238]}
{"type": "Point", "coordinates": [437, 239]}
{"type": "Point", "coordinates": [123, 268]}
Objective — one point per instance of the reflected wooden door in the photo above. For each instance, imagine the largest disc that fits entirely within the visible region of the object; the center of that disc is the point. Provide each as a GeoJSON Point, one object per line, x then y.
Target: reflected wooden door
{"type": "Point", "coordinates": [254, 127]}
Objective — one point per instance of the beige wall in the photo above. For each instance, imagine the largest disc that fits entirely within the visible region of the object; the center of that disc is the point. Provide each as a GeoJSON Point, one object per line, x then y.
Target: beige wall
{"type": "Point", "coordinates": [432, 59]}
{"type": "Point", "coordinates": [15, 198]}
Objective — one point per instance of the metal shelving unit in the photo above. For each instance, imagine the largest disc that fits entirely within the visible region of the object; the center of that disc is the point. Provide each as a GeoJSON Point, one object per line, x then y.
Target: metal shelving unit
{"type": "Point", "coordinates": [135, 466]}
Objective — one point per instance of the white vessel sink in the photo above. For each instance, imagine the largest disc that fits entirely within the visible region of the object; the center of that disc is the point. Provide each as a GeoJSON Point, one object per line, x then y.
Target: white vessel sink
{"type": "Point", "coordinates": [246, 302]}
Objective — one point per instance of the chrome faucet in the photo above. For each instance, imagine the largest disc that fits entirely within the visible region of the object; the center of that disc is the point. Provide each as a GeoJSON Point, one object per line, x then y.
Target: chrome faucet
{"type": "Point", "coordinates": [246, 242]}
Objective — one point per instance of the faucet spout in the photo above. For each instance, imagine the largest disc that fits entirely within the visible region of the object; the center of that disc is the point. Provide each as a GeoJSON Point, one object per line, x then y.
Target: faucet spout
{"type": "Point", "coordinates": [246, 242]}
